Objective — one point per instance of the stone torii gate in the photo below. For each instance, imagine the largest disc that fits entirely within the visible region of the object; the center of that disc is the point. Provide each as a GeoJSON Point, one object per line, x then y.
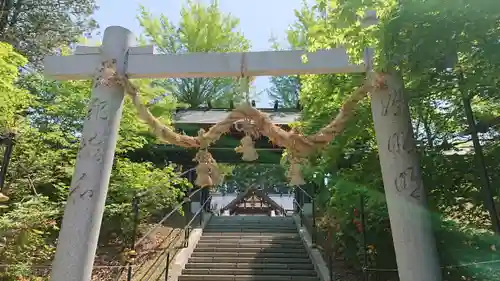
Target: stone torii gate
{"type": "Point", "coordinates": [412, 234]}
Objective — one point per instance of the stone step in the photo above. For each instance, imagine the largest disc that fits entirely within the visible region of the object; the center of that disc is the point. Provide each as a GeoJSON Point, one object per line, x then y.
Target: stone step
{"type": "Point", "coordinates": [248, 260]}
{"type": "Point", "coordinates": [244, 240]}
{"type": "Point", "coordinates": [285, 242]}
{"type": "Point", "coordinates": [287, 223]}
{"type": "Point", "coordinates": [252, 226]}
{"type": "Point", "coordinates": [305, 265]}
{"type": "Point", "coordinates": [219, 222]}
{"type": "Point", "coordinates": [225, 245]}
{"type": "Point", "coordinates": [246, 278]}
{"type": "Point", "coordinates": [283, 256]}
{"type": "Point", "coordinates": [243, 235]}
{"type": "Point", "coordinates": [248, 271]}
{"type": "Point", "coordinates": [267, 221]}
{"type": "Point", "coordinates": [291, 242]}
{"type": "Point", "coordinates": [248, 230]}
{"type": "Point", "coordinates": [250, 250]}
{"type": "Point", "coordinates": [240, 228]}
{"type": "Point", "coordinates": [251, 218]}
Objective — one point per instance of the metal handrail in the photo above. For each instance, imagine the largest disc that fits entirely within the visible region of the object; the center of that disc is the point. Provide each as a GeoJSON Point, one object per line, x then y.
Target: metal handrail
{"type": "Point", "coordinates": [304, 192]}
{"type": "Point", "coordinates": [167, 216]}
{"type": "Point", "coordinates": [165, 259]}
{"type": "Point", "coordinates": [314, 230]}
{"type": "Point", "coordinates": [150, 271]}
{"type": "Point", "coordinates": [157, 225]}
{"type": "Point", "coordinates": [135, 207]}
{"type": "Point", "coordinates": [301, 212]}
{"type": "Point", "coordinates": [202, 207]}
{"type": "Point", "coordinates": [138, 268]}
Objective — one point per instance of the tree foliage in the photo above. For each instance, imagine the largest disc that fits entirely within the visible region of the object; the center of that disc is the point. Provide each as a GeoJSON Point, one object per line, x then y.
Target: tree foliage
{"type": "Point", "coordinates": [285, 91]}
{"type": "Point", "coordinates": [13, 100]}
{"type": "Point", "coordinates": [270, 177]}
{"type": "Point", "coordinates": [47, 118]}
{"type": "Point", "coordinates": [38, 27]}
{"type": "Point", "coordinates": [202, 28]}
{"type": "Point", "coordinates": [444, 52]}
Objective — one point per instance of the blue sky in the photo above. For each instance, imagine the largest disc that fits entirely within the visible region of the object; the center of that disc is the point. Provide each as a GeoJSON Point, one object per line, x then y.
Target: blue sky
{"type": "Point", "coordinates": [259, 19]}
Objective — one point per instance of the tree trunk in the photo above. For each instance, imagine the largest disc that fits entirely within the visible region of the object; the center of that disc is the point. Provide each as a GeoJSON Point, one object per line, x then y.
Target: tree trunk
{"type": "Point", "coordinates": [486, 189]}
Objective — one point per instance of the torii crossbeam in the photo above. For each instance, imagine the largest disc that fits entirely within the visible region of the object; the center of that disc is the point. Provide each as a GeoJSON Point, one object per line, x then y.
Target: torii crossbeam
{"type": "Point", "coordinates": [143, 63]}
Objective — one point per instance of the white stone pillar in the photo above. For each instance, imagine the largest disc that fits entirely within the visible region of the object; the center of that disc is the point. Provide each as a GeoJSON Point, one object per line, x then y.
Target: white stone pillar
{"type": "Point", "coordinates": [85, 205]}
{"type": "Point", "coordinates": [412, 232]}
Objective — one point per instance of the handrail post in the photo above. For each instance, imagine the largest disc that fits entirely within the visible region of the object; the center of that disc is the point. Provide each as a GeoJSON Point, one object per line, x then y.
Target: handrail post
{"type": "Point", "coordinates": [132, 253]}
{"type": "Point", "coordinates": [166, 266]}
{"type": "Point", "coordinates": [187, 210]}
{"type": "Point", "coordinates": [363, 234]}
{"type": "Point", "coordinates": [302, 205]}
{"type": "Point", "coordinates": [331, 252]}
{"type": "Point", "coordinates": [302, 198]}
{"type": "Point", "coordinates": [313, 205]}
{"type": "Point", "coordinates": [330, 265]}
{"type": "Point", "coordinates": [296, 197]}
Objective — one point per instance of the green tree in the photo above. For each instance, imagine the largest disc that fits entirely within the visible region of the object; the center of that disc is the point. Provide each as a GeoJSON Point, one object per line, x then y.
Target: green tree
{"type": "Point", "coordinates": [202, 28]}
{"type": "Point", "coordinates": [269, 177]}
{"type": "Point", "coordinates": [47, 117]}
{"type": "Point", "coordinates": [13, 101]}
{"type": "Point", "coordinates": [431, 43]}
{"type": "Point", "coordinates": [284, 90]}
{"type": "Point", "coordinates": [38, 27]}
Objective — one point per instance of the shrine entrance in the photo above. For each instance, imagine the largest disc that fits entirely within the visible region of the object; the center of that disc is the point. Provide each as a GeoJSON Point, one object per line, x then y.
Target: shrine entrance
{"type": "Point", "coordinates": [253, 201]}
{"type": "Point", "coordinates": [192, 120]}
{"type": "Point", "coordinates": [111, 65]}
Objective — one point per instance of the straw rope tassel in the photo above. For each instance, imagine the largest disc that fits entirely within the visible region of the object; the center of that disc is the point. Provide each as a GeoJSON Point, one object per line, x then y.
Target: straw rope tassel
{"type": "Point", "coordinates": [300, 146]}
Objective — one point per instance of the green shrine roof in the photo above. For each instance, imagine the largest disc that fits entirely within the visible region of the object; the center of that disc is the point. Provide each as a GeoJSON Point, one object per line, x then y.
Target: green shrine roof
{"type": "Point", "coordinates": [213, 116]}
{"type": "Point", "coordinates": [189, 121]}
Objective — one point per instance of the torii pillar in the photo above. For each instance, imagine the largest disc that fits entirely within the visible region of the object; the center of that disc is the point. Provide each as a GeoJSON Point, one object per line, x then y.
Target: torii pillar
{"type": "Point", "coordinates": [84, 209]}
{"type": "Point", "coordinates": [412, 232]}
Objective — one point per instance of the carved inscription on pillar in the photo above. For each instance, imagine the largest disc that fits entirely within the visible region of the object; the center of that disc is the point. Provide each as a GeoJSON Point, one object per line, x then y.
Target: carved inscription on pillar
{"type": "Point", "coordinates": [91, 149]}
{"type": "Point", "coordinates": [78, 183]}
{"type": "Point", "coordinates": [393, 103]}
{"type": "Point", "coordinates": [408, 182]}
{"type": "Point", "coordinates": [98, 110]}
{"type": "Point", "coordinates": [401, 142]}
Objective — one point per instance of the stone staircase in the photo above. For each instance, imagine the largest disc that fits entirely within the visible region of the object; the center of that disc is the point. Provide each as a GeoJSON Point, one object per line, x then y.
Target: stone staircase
{"type": "Point", "coordinates": [243, 248]}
